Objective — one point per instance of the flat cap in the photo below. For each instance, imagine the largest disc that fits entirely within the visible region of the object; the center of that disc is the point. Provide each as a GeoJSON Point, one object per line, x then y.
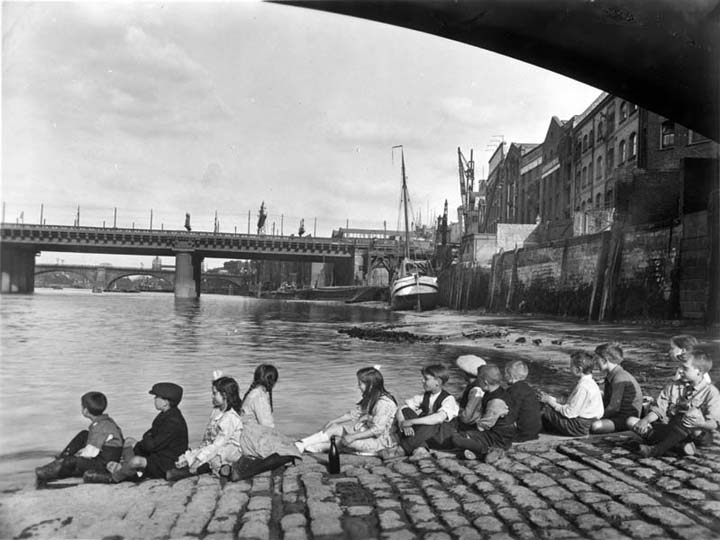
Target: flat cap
{"type": "Point", "coordinates": [470, 363]}
{"type": "Point", "coordinates": [167, 390]}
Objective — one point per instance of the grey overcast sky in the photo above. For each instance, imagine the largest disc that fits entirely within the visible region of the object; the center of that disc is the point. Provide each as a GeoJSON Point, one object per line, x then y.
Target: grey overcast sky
{"type": "Point", "coordinates": [205, 107]}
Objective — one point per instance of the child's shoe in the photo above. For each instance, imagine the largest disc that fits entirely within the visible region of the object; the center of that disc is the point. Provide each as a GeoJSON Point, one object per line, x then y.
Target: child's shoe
{"type": "Point", "coordinates": [177, 474]}
{"type": "Point", "coordinates": [48, 472]}
{"type": "Point", "coordinates": [469, 454]}
{"type": "Point", "coordinates": [97, 477]}
{"type": "Point", "coordinates": [390, 454]}
{"type": "Point", "coordinates": [494, 455]}
{"type": "Point", "coordinates": [419, 453]}
{"type": "Point", "coordinates": [688, 449]}
{"type": "Point", "coordinates": [646, 450]}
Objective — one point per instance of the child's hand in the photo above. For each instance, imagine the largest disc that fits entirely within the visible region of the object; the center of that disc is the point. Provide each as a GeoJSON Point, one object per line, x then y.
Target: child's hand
{"type": "Point", "coordinates": [641, 427]}
{"type": "Point", "coordinates": [693, 418]}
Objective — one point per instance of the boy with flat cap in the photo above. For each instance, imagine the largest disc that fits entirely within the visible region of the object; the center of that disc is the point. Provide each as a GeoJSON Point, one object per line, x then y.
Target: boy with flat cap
{"type": "Point", "coordinates": [161, 445]}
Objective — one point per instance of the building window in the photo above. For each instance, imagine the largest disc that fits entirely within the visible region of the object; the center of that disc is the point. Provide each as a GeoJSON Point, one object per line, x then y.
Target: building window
{"type": "Point", "coordinates": [585, 142]}
{"type": "Point", "coordinates": [623, 111]}
{"type": "Point", "coordinates": [695, 137]}
{"type": "Point", "coordinates": [610, 121]}
{"type": "Point", "coordinates": [610, 163]}
{"type": "Point", "coordinates": [598, 200]}
{"type": "Point", "coordinates": [609, 198]}
{"type": "Point", "coordinates": [633, 108]}
{"type": "Point", "coordinates": [598, 168]}
{"type": "Point", "coordinates": [633, 144]}
{"type": "Point", "coordinates": [600, 132]}
{"type": "Point", "coordinates": [592, 137]}
{"type": "Point", "coordinates": [622, 150]}
{"type": "Point", "coordinates": [584, 176]}
{"type": "Point", "coordinates": [590, 173]}
{"type": "Point", "coordinates": [667, 134]}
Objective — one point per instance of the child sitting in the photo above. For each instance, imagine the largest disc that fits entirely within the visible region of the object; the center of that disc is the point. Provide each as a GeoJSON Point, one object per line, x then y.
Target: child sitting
{"type": "Point", "coordinates": [495, 429]}
{"type": "Point", "coordinates": [221, 441]}
{"type": "Point", "coordinates": [471, 400]}
{"type": "Point", "coordinates": [686, 412]}
{"type": "Point", "coordinates": [525, 400]}
{"type": "Point", "coordinates": [427, 421]}
{"type": "Point", "coordinates": [90, 450]}
{"type": "Point", "coordinates": [160, 447]}
{"type": "Point", "coordinates": [260, 437]}
{"type": "Point", "coordinates": [622, 397]}
{"type": "Point", "coordinates": [584, 405]}
{"type": "Point", "coordinates": [368, 428]}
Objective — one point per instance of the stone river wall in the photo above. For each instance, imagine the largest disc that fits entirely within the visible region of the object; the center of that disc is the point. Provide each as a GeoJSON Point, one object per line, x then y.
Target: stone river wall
{"type": "Point", "coordinates": [627, 272]}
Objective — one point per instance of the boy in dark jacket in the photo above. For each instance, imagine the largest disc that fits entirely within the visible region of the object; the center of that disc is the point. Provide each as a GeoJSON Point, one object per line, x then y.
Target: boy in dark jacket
{"type": "Point", "coordinates": [527, 405]}
{"type": "Point", "coordinates": [161, 445]}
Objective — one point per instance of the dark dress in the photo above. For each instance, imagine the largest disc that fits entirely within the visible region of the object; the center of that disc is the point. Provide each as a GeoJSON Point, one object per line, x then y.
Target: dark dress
{"type": "Point", "coordinates": [163, 443]}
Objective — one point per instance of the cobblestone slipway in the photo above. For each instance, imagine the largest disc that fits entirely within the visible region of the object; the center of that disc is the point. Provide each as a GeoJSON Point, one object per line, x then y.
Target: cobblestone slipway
{"type": "Point", "coordinates": [585, 488]}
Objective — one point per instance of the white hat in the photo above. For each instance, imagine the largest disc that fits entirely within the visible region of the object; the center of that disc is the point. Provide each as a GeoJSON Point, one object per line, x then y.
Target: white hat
{"type": "Point", "coordinates": [470, 363]}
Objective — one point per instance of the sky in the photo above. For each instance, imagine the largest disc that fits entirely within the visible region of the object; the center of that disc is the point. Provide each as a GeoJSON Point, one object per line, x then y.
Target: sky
{"type": "Point", "coordinates": [168, 108]}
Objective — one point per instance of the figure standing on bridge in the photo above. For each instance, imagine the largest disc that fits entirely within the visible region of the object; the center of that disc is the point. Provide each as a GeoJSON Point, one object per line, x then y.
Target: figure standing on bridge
{"type": "Point", "coordinates": [187, 221]}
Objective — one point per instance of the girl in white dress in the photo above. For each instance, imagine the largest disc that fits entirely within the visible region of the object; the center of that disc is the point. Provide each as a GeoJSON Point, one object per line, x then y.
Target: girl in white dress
{"type": "Point", "coordinates": [260, 437]}
{"type": "Point", "coordinates": [367, 428]}
{"type": "Point", "coordinates": [221, 442]}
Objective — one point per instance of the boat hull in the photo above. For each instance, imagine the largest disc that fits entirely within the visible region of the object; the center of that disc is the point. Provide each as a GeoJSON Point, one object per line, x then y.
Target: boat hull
{"type": "Point", "coordinates": [409, 292]}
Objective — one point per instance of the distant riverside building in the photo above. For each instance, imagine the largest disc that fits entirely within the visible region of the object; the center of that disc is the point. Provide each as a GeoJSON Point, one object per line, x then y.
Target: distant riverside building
{"type": "Point", "coordinates": [614, 160]}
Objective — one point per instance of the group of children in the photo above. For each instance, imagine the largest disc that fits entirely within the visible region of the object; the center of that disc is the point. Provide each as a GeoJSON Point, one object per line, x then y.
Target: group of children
{"type": "Point", "coordinates": [238, 429]}
{"type": "Point", "coordinates": [490, 415]}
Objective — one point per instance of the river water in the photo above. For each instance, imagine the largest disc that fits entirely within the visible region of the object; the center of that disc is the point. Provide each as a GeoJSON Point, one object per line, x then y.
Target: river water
{"type": "Point", "coordinates": [56, 345]}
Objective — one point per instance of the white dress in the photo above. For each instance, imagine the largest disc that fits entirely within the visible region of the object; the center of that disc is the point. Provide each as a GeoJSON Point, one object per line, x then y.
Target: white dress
{"type": "Point", "coordinates": [380, 422]}
{"type": "Point", "coordinates": [221, 441]}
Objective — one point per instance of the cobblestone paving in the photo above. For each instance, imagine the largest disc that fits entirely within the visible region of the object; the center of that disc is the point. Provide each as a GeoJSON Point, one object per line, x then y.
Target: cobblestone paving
{"type": "Point", "coordinates": [595, 489]}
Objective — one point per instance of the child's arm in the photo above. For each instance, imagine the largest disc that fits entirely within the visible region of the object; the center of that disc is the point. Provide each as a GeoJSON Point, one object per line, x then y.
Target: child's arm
{"type": "Point", "coordinates": [162, 438]}
{"type": "Point", "coordinates": [472, 412]}
{"type": "Point", "coordinates": [350, 415]}
{"type": "Point", "coordinates": [707, 416]}
{"type": "Point", "coordinates": [571, 409]}
{"type": "Point", "coordinates": [448, 410]}
{"type": "Point", "coordinates": [496, 408]}
{"type": "Point", "coordinates": [379, 422]}
{"type": "Point", "coordinates": [97, 438]}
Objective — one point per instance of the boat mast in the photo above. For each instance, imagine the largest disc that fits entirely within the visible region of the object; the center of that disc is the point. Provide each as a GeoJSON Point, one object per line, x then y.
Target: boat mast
{"type": "Point", "coordinates": [405, 204]}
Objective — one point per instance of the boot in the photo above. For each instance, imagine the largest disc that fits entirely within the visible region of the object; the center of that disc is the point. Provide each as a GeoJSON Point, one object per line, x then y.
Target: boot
{"type": "Point", "coordinates": [177, 474]}
{"type": "Point", "coordinates": [122, 471]}
{"type": "Point", "coordinates": [311, 443]}
{"type": "Point", "coordinates": [48, 472]}
{"type": "Point", "coordinates": [97, 477]}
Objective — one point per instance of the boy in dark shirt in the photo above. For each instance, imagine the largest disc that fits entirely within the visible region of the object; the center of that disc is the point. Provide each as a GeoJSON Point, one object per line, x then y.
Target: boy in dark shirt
{"type": "Point", "coordinates": [622, 397]}
{"type": "Point", "coordinates": [161, 445]}
{"type": "Point", "coordinates": [527, 405]}
{"type": "Point", "coordinates": [90, 450]}
{"type": "Point", "coordinates": [495, 429]}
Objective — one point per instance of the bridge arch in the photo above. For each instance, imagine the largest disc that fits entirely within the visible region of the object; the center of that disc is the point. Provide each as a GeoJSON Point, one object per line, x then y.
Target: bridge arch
{"type": "Point", "coordinates": [116, 277]}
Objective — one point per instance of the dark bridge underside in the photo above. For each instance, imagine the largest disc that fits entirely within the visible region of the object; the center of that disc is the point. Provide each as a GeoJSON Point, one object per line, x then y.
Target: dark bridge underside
{"type": "Point", "coordinates": [659, 54]}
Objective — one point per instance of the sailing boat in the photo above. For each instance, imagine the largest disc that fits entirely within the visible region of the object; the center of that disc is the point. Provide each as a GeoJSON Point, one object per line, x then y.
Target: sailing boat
{"type": "Point", "coordinates": [412, 288]}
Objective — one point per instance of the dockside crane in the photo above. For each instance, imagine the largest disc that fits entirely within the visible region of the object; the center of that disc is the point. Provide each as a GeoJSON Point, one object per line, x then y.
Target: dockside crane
{"type": "Point", "coordinates": [466, 173]}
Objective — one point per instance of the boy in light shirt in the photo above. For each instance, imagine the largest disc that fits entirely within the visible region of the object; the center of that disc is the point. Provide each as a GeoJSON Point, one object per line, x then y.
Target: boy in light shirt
{"type": "Point", "coordinates": [584, 405]}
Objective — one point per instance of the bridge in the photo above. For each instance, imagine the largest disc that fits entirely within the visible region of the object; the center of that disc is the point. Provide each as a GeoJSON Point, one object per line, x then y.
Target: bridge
{"type": "Point", "coordinates": [19, 243]}
{"type": "Point", "coordinates": [105, 277]}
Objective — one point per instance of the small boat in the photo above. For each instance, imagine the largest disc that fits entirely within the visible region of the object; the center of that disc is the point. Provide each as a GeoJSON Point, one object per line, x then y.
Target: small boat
{"type": "Point", "coordinates": [413, 287]}
{"type": "Point", "coordinates": [97, 289]}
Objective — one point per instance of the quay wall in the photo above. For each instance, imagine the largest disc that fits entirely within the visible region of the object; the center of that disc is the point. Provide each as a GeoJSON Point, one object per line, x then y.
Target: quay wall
{"type": "Point", "coordinates": [627, 272]}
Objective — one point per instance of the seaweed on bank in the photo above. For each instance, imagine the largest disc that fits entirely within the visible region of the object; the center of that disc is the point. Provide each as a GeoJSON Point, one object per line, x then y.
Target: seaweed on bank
{"type": "Point", "coordinates": [386, 335]}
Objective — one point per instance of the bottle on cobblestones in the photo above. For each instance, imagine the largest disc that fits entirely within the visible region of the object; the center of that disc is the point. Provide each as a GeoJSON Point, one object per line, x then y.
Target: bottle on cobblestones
{"type": "Point", "coordinates": [333, 457]}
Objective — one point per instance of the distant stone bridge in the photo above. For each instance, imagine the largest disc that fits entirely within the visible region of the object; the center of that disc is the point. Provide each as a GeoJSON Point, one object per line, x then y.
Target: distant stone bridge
{"type": "Point", "coordinates": [104, 277]}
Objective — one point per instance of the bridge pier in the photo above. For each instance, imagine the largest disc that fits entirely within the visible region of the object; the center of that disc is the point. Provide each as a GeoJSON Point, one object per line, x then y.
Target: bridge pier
{"type": "Point", "coordinates": [17, 267]}
{"type": "Point", "coordinates": [188, 273]}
